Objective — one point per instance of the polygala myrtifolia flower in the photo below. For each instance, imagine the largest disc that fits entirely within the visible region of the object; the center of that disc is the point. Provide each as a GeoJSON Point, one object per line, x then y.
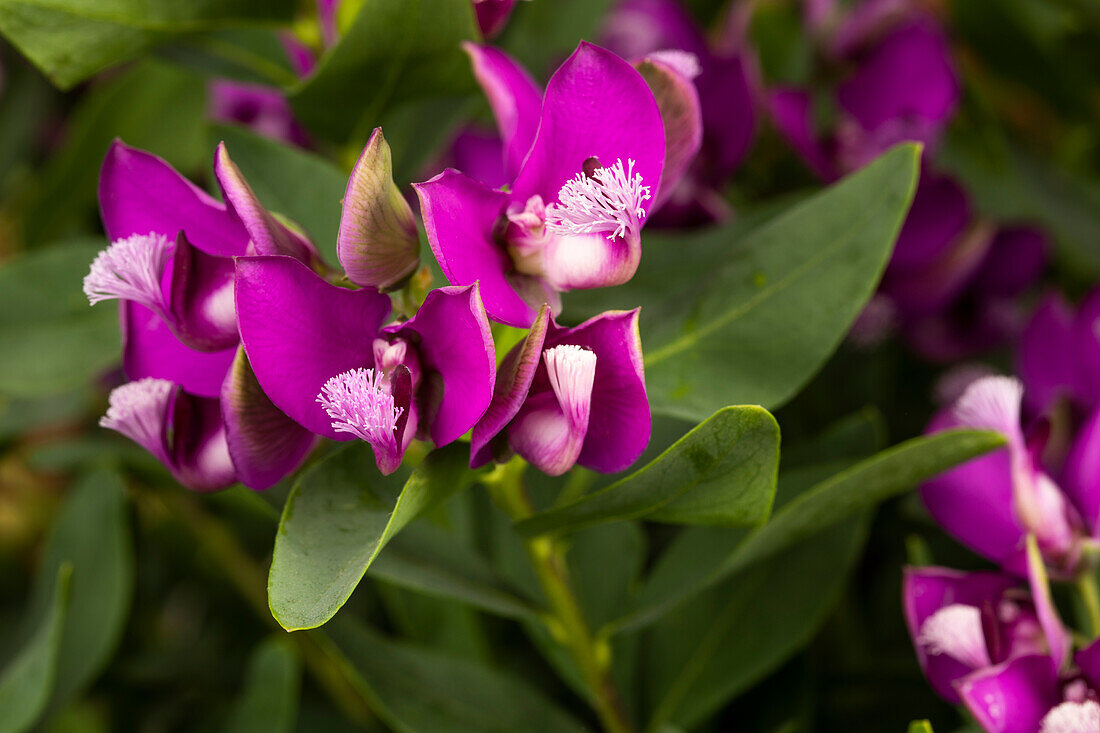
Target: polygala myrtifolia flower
{"type": "Point", "coordinates": [662, 32]}
{"type": "Point", "coordinates": [194, 402]}
{"type": "Point", "coordinates": [324, 357]}
{"type": "Point", "coordinates": [1002, 651]}
{"type": "Point", "coordinates": [587, 158]}
{"type": "Point", "coordinates": [569, 395]}
{"type": "Point", "coordinates": [991, 503]}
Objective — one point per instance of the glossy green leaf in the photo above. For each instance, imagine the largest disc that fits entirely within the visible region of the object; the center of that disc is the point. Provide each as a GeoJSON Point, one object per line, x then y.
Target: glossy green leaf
{"type": "Point", "coordinates": [858, 488]}
{"type": "Point", "coordinates": [270, 700]}
{"type": "Point", "coordinates": [26, 682]}
{"type": "Point", "coordinates": [432, 560]}
{"type": "Point", "coordinates": [732, 636]}
{"type": "Point", "coordinates": [298, 184]}
{"type": "Point", "coordinates": [92, 534]}
{"type": "Point", "coordinates": [721, 472]}
{"type": "Point", "coordinates": [339, 516]}
{"type": "Point", "coordinates": [751, 320]}
{"type": "Point", "coordinates": [69, 40]}
{"type": "Point", "coordinates": [394, 51]}
{"type": "Point", "coordinates": [418, 689]}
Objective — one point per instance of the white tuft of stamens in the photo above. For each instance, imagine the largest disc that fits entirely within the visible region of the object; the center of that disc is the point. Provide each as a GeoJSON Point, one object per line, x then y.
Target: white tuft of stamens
{"type": "Point", "coordinates": [359, 403]}
{"type": "Point", "coordinates": [992, 402]}
{"type": "Point", "coordinates": [956, 631]}
{"type": "Point", "coordinates": [684, 63]}
{"type": "Point", "coordinates": [610, 200]}
{"type": "Point", "coordinates": [131, 269]}
{"type": "Point", "coordinates": [139, 410]}
{"type": "Point", "coordinates": [572, 372]}
{"type": "Point", "coordinates": [1072, 717]}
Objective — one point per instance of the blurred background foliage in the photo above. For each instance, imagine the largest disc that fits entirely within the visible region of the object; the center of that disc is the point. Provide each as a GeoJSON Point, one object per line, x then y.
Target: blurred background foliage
{"type": "Point", "coordinates": [164, 623]}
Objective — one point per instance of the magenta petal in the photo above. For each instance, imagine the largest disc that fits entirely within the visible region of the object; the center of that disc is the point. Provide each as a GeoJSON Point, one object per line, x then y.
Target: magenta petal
{"type": "Point", "coordinates": [460, 215]}
{"type": "Point", "coordinates": [480, 154]}
{"type": "Point", "coordinates": [682, 117]}
{"type": "Point", "coordinates": [793, 118]}
{"type": "Point", "coordinates": [927, 590]}
{"type": "Point", "coordinates": [492, 15]}
{"type": "Point", "coordinates": [939, 215]}
{"type": "Point", "coordinates": [140, 193]}
{"type": "Point", "coordinates": [199, 450]}
{"type": "Point", "coordinates": [729, 115]}
{"type": "Point", "coordinates": [1088, 339]}
{"type": "Point", "coordinates": [908, 75]}
{"type": "Point", "coordinates": [1012, 697]}
{"type": "Point", "coordinates": [264, 443]}
{"type": "Point", "coordinates": [637, 27]}
{"type": "Point", "coordinates": [299, 331]}
{"type": "Point", "coordinates": [514, 97]}
{"type": "Point", "coordinates": [150, 349]}
{"type": "Point", "coordinates": [596, 105]}
{"type": "Point", "coordinates": [620, 423]}
{"type": "Point", "coordinates": [1016, 259]}
{"type": "Point", "coordinates": [1088, 659]}
{"type": "Point", "coordinates": [1082, 472]}
{"type": "Point", "coordinates": [202, 298]}
{"type": "Point", "coordinates": [454, 343]}
{"type": "Point", "coordinates": [1047, 358]}
{"type": "Point", "coordinates": [268, 236]}
{"type": "Point", "coordinates": [514, 378]}
{"type": "Point", "coordinates": [974, 502]}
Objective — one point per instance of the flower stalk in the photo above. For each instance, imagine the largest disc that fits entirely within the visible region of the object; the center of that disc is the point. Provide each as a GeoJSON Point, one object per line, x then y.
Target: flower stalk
{"type": "Point", "coordinates": [1089, 594]}
{"type": "Point", "coordinates": [565, 619]}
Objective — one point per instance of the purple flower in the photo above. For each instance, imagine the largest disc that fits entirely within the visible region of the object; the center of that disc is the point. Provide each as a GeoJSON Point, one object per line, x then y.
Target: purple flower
{"type": "Point", "coordinates": [586, 157]}
{"type": "Point", "coordinates": [194, 402]}
{"type": "Point", "coordinates": [492, 15]}
{"type": "Point", "coordinates": [1059, 355]}
{"type": "Point", "coordinates": [569, 395]}
{"type": "Point", "coordinates": [723, 77]}
{"type": "Point", "coordinates": [324, 357]}
{"type": "Point", "coordinates": [261, 108]}
{"type": "Point", "coordinates": [991, 503]}
{"type": "Point", "coordinates": [962, 623]}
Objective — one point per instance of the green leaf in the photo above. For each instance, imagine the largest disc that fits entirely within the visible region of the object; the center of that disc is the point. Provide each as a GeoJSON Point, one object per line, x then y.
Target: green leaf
{"type": "Point", "coordinates": [58, 356]}
{"type": "Point", "coordinates": [339, 516]}
{"type": "Point", "coordinates": [150, 105]}
{"type": "Point", "coordinates": [270, 700]}
{"type": "Point", "coordinates": [860, 487]}
{"type": "Point", "coordinates": [920, 726]}
{"type": "Point", "coordinates": [51, 341]}
{"type": "Point", "coordinates": [541, 35]}
{"type": "Point", "coordinates": [418, 689]}
{"type": "Point", "coordinates": [432, 560]}
{"type": "Point", "coordinates": [70, 40]}
{"type": "Point", "coordinates": [91, 534]}
{"type": "Point", "coordinates": [721, 472]}
{"type": "Point", "coordinates": [751, 321]}
{"type": "Point", "coordinates": [298, 184]}
{"type": "Point", "coordinates": [731, 636]}
{"type": "Point", "coordinates": [394, 51]}
{"type": "Point", "coordinates": [27, 680]}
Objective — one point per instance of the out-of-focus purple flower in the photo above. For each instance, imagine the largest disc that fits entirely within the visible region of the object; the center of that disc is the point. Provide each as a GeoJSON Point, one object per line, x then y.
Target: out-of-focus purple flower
{"type": "Point", "coordinates": [261, 108]}
{"type": "Point", "coordinates": [569, 395]}
{"type": "Point", "coordinates": [962, 623]}
{"type": "Point", "coordinates": [194, 402]}
{"type": "Point", "coordinates": [586, 157]}
{"type": "Point", "coordinates": [991, 503]}
{"type": "Point", "coordinates": [492, 15]}
{"type": "Point", "coordinates": [324, 356]}
{"type": "Point", "coordinates": [656, 29]}
{"type": "Point", "coordinates": [1059, 355]}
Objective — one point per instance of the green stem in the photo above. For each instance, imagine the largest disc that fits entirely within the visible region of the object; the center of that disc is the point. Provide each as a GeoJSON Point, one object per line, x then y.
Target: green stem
{"type": "Point", "coordinates": [1090, 597]}
{"type": "Point", "coordinates": [566, 620]}
{"type": "Point", "coordinates": [246, 575]}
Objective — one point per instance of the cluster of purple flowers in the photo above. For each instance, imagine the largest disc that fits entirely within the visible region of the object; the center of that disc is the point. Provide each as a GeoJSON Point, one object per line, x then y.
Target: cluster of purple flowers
{"type": "Point", "coordinates": [953, 281]}
{"type": "Point", "coordinates": [980, 640]}
{"type": "Point", "coordinates": [243, 346]}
